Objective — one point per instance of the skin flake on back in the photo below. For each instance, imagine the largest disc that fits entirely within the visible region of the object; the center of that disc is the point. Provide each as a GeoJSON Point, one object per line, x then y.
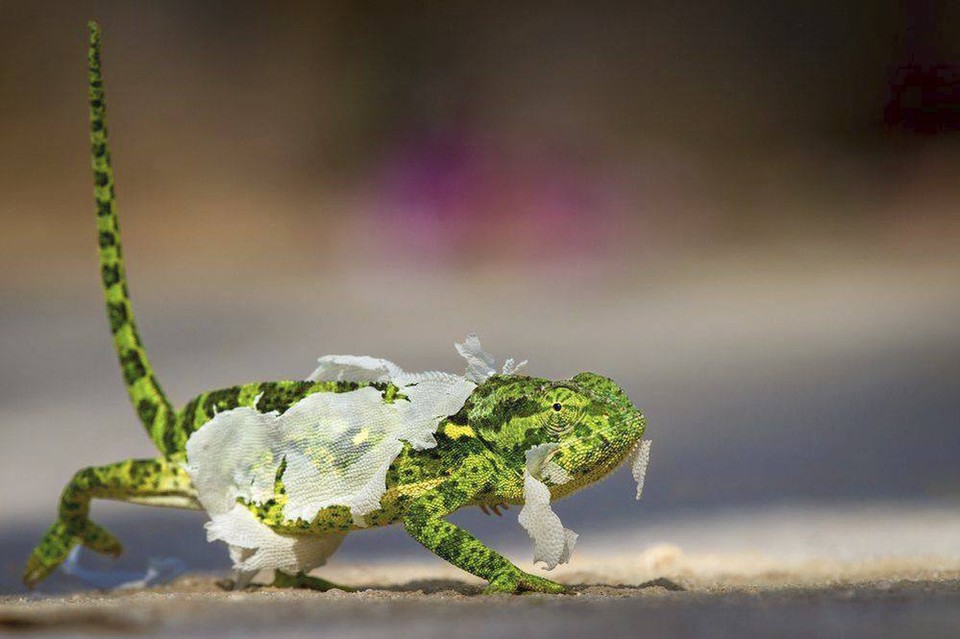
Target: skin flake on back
{"type": "Point", "coordinates": [354, 368]}
{"type": "Point", "coordinates": [328, 449]}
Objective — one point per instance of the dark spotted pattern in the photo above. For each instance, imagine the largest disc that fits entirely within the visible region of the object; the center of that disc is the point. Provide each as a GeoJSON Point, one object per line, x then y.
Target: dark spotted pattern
{"type": "Point", "coordinates": [133, 368]}
{"type": "Point", "coordinates": [171, 433]}
{"type": "Point", "coordinates": [147, 411]}
{"type": "Point", "coordinates": [220, 400]}
{"type": "Point", "coordinates": [280, 396]}
{"type": "Point", "coordinates": [116, 312]}
{"type": "Point", "coordinates": [499, 399]}
{"type": "Point", "coordinates": [107, 240]}
{"type": "Point", "coordinates": [111, 275]}
{"type": "Point", "coordinates": [152, 406]}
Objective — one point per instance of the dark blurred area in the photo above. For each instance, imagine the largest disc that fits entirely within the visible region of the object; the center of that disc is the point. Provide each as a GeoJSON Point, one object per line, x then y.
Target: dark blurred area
{"type": "Point", "coordinates": [473, 132]}
{"type": "Point", "coordinates": [747, 212]}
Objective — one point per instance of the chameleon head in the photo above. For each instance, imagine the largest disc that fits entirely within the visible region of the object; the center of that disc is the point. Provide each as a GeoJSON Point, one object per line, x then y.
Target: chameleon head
{"type": "Point", "coordinates": [588, 423]}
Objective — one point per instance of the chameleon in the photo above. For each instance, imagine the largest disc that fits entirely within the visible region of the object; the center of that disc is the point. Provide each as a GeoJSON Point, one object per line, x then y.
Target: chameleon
{"type": "Point", "coordinates": [286, 469]}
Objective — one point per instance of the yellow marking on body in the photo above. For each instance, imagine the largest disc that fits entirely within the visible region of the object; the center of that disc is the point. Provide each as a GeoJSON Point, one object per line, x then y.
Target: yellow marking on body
{"type": "Point", "coordinates": [361, 437]}
{"type": "Point", "coordinates": [455, 431]}
{"type": "Point", "coordinates": [411, 490]}
{"type": "Point", "coordinates": [321, 522]}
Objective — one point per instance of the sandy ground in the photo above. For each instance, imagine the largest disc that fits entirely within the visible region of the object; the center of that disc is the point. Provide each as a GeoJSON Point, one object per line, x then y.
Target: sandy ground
{"type": "Point", "coordinates": [760, 395]}
{"type": "Point", "coordinates": [871, 599]}
{"type": "Point", "coordinates": [881, 571]}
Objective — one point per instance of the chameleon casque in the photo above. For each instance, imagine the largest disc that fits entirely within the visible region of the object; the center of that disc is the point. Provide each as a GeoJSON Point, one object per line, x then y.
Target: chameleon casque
{"type": "Point", "coordinates": [286, 469]}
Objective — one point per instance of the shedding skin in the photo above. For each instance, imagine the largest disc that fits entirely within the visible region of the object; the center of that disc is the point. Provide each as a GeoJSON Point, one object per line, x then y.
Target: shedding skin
{"type": "Point", "coordinates": [479, 459]}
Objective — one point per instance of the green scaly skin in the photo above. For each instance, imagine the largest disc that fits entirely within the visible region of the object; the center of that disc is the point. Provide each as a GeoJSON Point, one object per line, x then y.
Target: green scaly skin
{"type": "Point", "coordinates": [479, 459]}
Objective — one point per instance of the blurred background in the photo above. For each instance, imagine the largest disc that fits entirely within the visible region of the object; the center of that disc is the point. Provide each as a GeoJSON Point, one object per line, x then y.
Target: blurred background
{"type": "Point", "coordinates": [746, 213]}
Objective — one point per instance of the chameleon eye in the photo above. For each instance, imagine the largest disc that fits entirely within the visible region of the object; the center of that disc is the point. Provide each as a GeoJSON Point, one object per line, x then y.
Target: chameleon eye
{"type": "Point", "coordinates": [557, 407]}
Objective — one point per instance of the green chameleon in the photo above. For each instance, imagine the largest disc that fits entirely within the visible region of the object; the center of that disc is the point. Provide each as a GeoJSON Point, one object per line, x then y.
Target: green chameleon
{"type": "Point", "coordinates": [506, 438]}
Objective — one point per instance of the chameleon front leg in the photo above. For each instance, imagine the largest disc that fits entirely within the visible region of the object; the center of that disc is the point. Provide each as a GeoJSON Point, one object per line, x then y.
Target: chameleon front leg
{"type": "Point", "coordinates": [160, 482]}
{"type": "Point", "coordinates": [424, 522]}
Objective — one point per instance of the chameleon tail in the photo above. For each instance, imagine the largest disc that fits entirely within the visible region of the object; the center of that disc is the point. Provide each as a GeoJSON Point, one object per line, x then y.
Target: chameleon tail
{"type": "Point", "coordinates": [152, 406]}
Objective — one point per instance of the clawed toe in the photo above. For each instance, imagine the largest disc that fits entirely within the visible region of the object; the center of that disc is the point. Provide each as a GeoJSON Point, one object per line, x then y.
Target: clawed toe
{"type": "Point", "coordinates": [520, 581]}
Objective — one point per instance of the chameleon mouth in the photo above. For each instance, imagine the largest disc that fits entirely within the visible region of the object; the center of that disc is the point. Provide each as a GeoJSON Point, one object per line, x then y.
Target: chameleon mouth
{"type": "Point", "coordinates": [606, 459]}
{"type": "Point", "coordinates": [637, 454]}
{"type": "Point", "coordinates": [607, 464]}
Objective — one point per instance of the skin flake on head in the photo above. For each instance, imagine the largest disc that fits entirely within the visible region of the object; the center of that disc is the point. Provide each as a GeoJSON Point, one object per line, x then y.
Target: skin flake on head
{"type": "Point", "coordinates": [638, 468]}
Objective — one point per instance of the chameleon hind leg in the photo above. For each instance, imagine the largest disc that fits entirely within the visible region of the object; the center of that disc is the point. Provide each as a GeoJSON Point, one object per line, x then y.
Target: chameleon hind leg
{"type": "Point", "coordinates": [306, 582]}
{"type": "Point", "coordinates": [424, 522]}
{"type": "Point", "coordinates": [311, 551]}
{"type": "Point", "coordinates": [327, 544]}
{"type": "Point", "coordinates": [159, 482]}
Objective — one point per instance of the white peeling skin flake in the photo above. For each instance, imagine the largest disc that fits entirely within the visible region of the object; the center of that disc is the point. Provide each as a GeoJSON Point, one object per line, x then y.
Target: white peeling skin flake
{"type": "Point", "coordinates": [553, 544]}
{"type": "Point", "coordinates": [354, 368]}
{"type": "Point", "coordinates": [479, 362]}
{"type": "Point", "coordinates": [510, 367]}
{"type": "Point", "coordinates": [638, 467]}
{"type": "Point", "coordinates": [254, 546]}
{"type": "Point", "coordinates": [158, 572]}
{"type": "Point", "coordinates": [237, 454]}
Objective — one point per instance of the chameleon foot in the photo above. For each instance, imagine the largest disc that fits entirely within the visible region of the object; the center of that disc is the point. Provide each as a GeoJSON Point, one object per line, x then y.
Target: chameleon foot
{"type": "Point", "coordinates": [515, 581]}
{"type": "Point", "coordinates": [495, 508]}
{"type": "Point", "coordinates": [57, 543]}
{"type": "Point", "coordinates": [301, 580]}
